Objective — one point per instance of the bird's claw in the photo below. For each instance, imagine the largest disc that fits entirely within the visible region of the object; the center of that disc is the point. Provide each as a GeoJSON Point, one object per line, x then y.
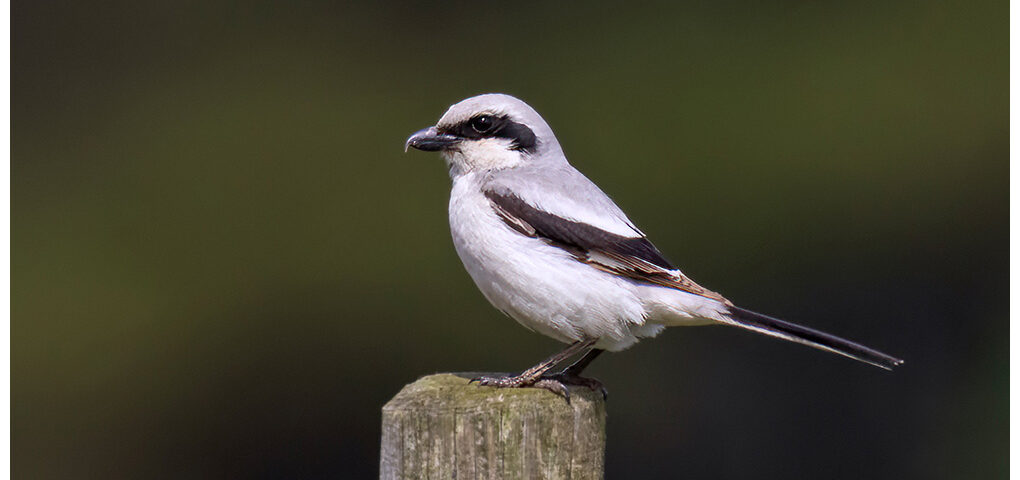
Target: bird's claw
{"type": "Point", "coordinates": [556, 383]}
{"type": "Point", "coordinates": [554, 386]}
{"type": "Point", "coordinates": [502, 381]}
{"type": "Point", "coordinates": [567, 378]}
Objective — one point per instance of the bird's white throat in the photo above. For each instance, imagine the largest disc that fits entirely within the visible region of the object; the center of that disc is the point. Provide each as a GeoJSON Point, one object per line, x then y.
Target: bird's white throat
{"type": "Point", "coordinates": [483, 154]}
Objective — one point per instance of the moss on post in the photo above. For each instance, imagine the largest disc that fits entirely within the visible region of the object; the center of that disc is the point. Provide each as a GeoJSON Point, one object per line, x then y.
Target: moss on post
{"type": "Point", "coordinates": [441, 427]}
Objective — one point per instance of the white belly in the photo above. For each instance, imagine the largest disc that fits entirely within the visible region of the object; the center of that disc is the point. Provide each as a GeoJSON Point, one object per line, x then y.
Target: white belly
{"type": "Point", "coordinates": [539, 285]}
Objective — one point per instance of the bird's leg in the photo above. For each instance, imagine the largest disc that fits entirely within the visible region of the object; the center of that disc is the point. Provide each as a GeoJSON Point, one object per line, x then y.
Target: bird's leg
{"type": "Point", "coordinates": [533, 375]}
{"type": "Point", "coordinates": [582, 363]}
{"type": "Point", "coordinates": [572, 374]}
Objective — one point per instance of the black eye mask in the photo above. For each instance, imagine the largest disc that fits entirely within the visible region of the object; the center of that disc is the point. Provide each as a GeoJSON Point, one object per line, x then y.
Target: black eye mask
{"type": "Point", "coordinates": [491, 126]}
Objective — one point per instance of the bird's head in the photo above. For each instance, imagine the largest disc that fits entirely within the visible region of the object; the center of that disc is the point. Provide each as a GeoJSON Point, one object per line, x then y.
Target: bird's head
{"type": "Point", "coordinates": [488, 132]}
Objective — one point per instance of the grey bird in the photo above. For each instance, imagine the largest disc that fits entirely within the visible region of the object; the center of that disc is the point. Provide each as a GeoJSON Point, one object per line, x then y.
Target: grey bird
{"type": "Point", "coordinates": [549, 249]}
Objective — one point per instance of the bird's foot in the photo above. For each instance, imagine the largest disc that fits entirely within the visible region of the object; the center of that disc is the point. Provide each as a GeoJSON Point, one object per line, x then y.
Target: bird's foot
{"type": "Point", "coordinates": [568, 378]}
{"type": "Point", "coordinates": [505, 381]}
{"type": "Point", "coordinates": [557, 383]}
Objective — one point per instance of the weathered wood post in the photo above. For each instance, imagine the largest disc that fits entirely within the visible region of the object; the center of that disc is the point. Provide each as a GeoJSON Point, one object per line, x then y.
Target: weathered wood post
{"type": "Point", "coordinates": [440, 427]}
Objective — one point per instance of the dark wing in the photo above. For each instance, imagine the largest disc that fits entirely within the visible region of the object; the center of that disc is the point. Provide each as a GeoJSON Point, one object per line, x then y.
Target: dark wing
{"type": "Point", "coordinates": [631, 257]}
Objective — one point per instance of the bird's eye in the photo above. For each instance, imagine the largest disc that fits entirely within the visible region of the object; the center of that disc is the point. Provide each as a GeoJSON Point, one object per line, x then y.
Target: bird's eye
{"type": "Point", "coordinates": [483, 123]}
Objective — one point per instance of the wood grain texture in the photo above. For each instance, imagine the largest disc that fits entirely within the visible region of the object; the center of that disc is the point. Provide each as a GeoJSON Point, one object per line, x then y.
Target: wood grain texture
{"type": "Point", "coordinates": [441, 427]}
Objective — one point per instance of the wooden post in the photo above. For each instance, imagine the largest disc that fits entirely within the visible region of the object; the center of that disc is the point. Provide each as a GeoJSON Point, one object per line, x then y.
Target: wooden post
{"type": "Point", "coordinates": [441, 427]}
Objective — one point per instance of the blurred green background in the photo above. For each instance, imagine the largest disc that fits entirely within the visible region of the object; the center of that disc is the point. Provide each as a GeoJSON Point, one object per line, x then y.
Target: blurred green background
{"type": "Point", "coordinates": [223, 263]}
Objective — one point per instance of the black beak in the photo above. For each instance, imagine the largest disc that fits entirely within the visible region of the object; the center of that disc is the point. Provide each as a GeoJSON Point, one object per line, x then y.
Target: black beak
{"type": "Point", "coordinates": [431, 140]}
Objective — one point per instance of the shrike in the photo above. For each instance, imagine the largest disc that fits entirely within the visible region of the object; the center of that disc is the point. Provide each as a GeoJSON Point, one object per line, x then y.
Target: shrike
{"type": "Point", "coordinates": [549, 249]}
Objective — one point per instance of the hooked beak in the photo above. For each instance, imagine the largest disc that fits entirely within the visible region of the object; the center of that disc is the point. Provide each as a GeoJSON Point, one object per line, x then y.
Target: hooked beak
{"type": "Point", "coordinates": [430, 140]}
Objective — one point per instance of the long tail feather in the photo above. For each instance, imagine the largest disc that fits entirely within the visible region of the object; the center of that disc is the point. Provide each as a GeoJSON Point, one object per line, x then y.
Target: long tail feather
{"type": "Point", "coordinates": [775, 327]}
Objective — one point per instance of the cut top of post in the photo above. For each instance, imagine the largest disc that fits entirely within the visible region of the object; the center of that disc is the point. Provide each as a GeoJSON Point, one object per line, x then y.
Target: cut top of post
{"type": "Point", "coordinates": [442, 427]}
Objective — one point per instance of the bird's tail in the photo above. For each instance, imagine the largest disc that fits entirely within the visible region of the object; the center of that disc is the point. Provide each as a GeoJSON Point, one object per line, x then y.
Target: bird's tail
{"type": "Point", "coordinates": [739, 317]}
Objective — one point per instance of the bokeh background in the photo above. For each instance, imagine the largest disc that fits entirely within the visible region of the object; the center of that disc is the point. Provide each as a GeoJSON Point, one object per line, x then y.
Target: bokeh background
{"type": "Point", "coordinates": [223, 263]}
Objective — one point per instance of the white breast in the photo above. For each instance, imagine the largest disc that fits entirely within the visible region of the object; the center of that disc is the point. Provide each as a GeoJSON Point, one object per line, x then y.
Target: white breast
{"type": "Point", "coordinates": [539, 285]}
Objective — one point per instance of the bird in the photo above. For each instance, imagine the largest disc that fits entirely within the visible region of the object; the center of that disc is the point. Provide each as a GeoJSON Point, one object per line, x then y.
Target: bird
{"type": "Point", "coordinates": [551, 250]}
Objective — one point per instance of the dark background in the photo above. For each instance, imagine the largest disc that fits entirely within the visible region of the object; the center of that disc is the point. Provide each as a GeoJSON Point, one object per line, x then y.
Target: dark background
{"type": "Point", "coordinates": [223, 263]}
